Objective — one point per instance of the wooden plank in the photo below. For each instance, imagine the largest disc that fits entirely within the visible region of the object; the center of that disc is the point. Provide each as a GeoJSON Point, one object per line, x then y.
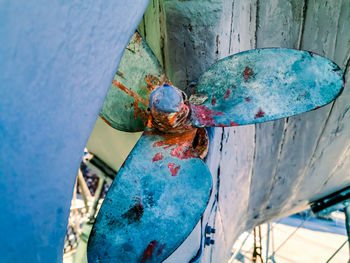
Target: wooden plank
{"type": "Point", "coordinates": [279, 25]}
{"type": "Point", "coordinates": [302, 132]}
{"type": "Point", "coordinates": [321, 17]}
{"type": "Point", "coordinates": [152, 28]}
{"type": "Point", "coordinates": [231, 149]}
{"type": "Point", "coordinates": [190, 40]}
{"type": "Point", "coordinates": [329, 159]}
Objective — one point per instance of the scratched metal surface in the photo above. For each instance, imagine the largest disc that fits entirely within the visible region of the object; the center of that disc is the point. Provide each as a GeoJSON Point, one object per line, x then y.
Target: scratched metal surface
{"type": "Point", "coordinates": [263, 85]}
{"type": "Point", "coordinates": [155, 201]}
{"type": "Point", "coordinates": [127, 112]}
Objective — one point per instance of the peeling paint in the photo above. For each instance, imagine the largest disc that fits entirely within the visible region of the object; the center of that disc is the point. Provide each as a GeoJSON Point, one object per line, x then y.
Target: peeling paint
{"type": "Point", "coordinates": [149, 251]}
{"type": "Point", "coordinates": [247, 73]}
{"type": "Point", "coordinates": [158, 157]}
{"type": "Point", "coordinates": [259, 114]}
{"type": "Point", "coordinates": [174, 170]}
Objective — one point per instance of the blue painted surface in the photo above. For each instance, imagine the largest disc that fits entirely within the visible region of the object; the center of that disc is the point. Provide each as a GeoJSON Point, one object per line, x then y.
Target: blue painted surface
{"type": "Point", "coordinates": [166, 99]}
{"type": "Point", "coordinates": [263, 85]}
{"type": "Point", "coordinates": [57, 60]}
{"type": "Point", "coordinates": [154, 203]}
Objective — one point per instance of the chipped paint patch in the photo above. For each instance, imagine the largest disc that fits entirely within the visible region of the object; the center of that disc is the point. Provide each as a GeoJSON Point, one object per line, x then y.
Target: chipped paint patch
{"type": "Point", "coordinates": [247, 73]}
{"type": "Point", "coordinates": [148, 253]}
{"type": "Point", "coordinates": [213, 100]}
{"type": "Point", "coordinates": [158, 157]}
{"type": "Point", "coordinates": [205, 115]}
{"type": "Point", "coordinates": [174, 170]}
{"type": "Point", "coordinates": [233, 123]}
{"type": "Point", "coordinates": [134, 214]}
{"type": "Point", "coordinates": [227, 94]}
{"type": "Point", "coordinates": [259, 114]}
{"type": "Point", "coordinates": [180, 144]}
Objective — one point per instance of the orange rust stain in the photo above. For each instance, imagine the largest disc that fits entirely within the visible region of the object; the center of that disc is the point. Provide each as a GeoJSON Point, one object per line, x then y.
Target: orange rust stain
{"type": "Point", "coordinates": [152, 82]}
{"type": "Point", "coordinates": [172, 119]}
{"type": "Point", "coordinates": [149, 122]}
{"type": "Point", "coordinates": [184, 151]}
{"type": "Point", "coordinates": [233, 123]}
{"type": "Point", "coordinates": [138, 38]}
{"type": "Point", "coordinates": [136, 107]}
{"type": "Point", "coordinates": [139, 111]}
{"type": "Point", "coordinates": [104, 119]}
{"type": "Point", "coordinates": [171, 139]}
{"type": "Point", "coordinates": [182, 141]}
{"type": "Point", "coordinates": [120, 86]}
{"type": "Point", "coordinates": [120, 73]}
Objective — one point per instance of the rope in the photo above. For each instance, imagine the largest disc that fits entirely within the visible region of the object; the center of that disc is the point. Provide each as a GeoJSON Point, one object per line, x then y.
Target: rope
{"type": "Point", "coordinates": [336, 252]}
{"type": "Point", "coordinates": [285, 241]}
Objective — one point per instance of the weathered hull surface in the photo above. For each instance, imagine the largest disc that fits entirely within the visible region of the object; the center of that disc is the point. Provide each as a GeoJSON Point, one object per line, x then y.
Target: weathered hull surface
{"type": "Point", "coordinates": [57, 61]}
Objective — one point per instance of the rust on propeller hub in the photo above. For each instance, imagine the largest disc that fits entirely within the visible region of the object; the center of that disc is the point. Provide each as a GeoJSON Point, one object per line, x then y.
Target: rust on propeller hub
{"type": "Point", "coordinates": [169, 109]}
{"type": "Point", "coordinates": [170, 114]}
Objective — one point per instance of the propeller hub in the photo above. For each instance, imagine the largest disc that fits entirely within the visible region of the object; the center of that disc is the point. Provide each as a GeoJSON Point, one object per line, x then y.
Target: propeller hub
{"type": "Point", "coordinates": [168, 107]}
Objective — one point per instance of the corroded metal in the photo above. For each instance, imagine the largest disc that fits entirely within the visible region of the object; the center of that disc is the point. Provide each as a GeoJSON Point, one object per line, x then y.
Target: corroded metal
{"type": "Point", "coordinates": [125, 106]}
{"type": "Point", "coordinates": [168, 109]}
{"type": "Point", "coordinates": [148, 212]}
{"type": "Point", "coordinates": [263, 85]}
{"type": "Point", "coordinates": [154, 203]}
{"type": "Point", "coordinates": [201, 143]}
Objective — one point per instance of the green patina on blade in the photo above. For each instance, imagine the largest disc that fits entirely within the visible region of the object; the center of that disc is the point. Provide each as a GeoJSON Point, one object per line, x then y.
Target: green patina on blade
{"type": "Point", "coordinates": [125, 106]}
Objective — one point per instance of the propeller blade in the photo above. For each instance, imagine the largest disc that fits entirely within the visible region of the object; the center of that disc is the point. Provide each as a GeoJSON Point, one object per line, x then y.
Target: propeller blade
{"type": "Point", "coordinates": [263, 85]}
{"type": "Point", "coordinates": [156, 200]}
{"type": "Point", "coordinates": [125, 106]}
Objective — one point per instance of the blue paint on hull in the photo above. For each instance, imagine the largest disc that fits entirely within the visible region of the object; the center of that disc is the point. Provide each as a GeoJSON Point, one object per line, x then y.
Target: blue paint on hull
{"type": "Point", "coordinates": [57, 60]}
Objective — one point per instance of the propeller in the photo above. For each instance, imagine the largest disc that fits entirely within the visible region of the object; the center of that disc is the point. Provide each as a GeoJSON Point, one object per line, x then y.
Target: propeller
{"type": "Point", "coordinates": [163, 188]}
